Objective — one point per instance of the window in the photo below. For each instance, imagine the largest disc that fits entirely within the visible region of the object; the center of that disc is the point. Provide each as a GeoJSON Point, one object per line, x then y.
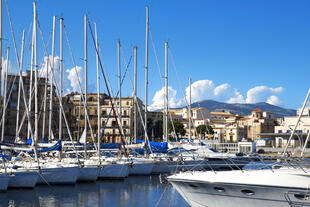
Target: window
{"type": "Point", "coordinates": [124, 123]}
{"type": "Point", "coordinates": [113, 123]}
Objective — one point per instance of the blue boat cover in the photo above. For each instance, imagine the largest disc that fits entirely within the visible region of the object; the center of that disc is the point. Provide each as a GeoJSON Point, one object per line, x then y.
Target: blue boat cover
{"type": "Point", "coordinates": [110, 146]}
{"type": "Point", "coordinates": [159, 147]}
{"type": "Point", "coordinates": [29, 141]}
{"type": "Point", "coordinates": [55, 147]}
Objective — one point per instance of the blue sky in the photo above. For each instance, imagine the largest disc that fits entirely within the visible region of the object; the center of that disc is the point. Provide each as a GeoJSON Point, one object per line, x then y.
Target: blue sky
{"type": "Point", "coordinates": [234, 51]}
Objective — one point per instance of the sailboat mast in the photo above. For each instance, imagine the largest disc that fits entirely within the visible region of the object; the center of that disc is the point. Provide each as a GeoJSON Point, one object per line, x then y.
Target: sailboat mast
{"type": "Point", "coordinates": [61, 78]}
{"type": "Point", "coordinates": [166, 83]}
{"type": "Point", "coordinates": [190, 109]}
{"type": "Point", "coordinates": [135, 95]}
{"type": "Point", "coordinates": [31, 84]}
{"type": "Point", "coordinates": [5, 93]}
{"type": "Point", "coordinates": [85, 66]}
{"type": "Point", "coordinates": [51, 82]}
{"type": "Point", "coordinates": [119, 83]}
{"type": "Point", "coordinates": [0, 47]}
{"type": "Point", "coordinates": [98, 92]}
{"type": "Point", "coordinates": [146, 68]}
{"type": "Point", "coordinates": [36, 108]}
{"type": "Point", "coordinates": [19, 86]}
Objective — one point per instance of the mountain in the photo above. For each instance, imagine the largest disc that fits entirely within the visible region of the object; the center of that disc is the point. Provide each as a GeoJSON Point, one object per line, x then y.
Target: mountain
{"type": "Point", "coordinates": [245, 109]}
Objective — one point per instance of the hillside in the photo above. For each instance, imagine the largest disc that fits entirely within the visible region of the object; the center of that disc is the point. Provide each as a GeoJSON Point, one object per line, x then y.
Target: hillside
{"type": "Point", "coordinates": [244, 109]}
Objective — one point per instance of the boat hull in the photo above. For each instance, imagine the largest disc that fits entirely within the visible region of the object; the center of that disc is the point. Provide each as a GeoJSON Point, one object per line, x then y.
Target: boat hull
{"type": "Point", "coordinates": [88, 173]}
{"type": "Point", "coordinates": [114, 171]}
{"type": "Point", "coordinates": [4, 182]}
{"type": "Point", "coordinates": [228, 195]}
{"type": "Point", "coordinates": [163, 166]}
{"type": "Point", "coordinates": [141, 168]}
{"type": "Point", "coordinates": [58, 175]}
{"type": "Point", "coordinates": [23, 179]}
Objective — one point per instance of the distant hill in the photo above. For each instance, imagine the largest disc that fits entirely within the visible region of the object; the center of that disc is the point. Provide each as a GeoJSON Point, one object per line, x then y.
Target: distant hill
{"type": "Point", "coordinates": [244, 109]}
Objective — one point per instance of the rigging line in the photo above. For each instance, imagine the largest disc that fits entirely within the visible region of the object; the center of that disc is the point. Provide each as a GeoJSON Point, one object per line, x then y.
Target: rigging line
{"type": "Point", "coordinates": [161, 77]}
{"type": "Point", "coordinates": [21, 80]}
{"type": "Point", "coordinates": [39, 75]}
{"type": "Point", "coordinates": [60, 103]}
{"type": "Point", "coordinates": [179, 80]}
{"type": "Point", "coordinates": [123, 78]}
{"type": "Point", "coordinates": [17, 58]}
{"type": "Point", "coordinates": [114, 99]}
{"type": "Point", "coordinates": [80, 87]}
{"type": "Point", "coordinates": [140, 115]}
{"type": "Point", "coordinates": [162, 194]}
{"type": "Point", "coordinates": [114, 111]}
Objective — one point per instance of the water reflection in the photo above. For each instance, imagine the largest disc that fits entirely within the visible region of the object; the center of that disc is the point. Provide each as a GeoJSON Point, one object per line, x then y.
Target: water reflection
{"type": "Point", "coordinates": [133, 191]}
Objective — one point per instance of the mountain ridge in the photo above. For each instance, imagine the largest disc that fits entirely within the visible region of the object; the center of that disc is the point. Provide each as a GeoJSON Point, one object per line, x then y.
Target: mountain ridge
{"type": "Point", "coordinates": [244, 109]}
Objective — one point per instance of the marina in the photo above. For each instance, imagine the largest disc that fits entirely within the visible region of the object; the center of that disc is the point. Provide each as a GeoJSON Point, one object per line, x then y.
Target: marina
{"type": "Point", "coordinates": [75, 129]}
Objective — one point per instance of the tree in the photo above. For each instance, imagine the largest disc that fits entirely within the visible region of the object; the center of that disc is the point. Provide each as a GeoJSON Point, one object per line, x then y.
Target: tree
{"type": "Point", "coordinates": [178, 126]}
{"type": "Point", "coordinates": [155, 128]}
{"type": "Point", "coordinates": [203, 129]}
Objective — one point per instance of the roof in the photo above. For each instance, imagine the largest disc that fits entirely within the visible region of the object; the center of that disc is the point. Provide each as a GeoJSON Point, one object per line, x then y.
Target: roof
{"type": "Point", "coordinates": [257, 110]}
{"type": "Point", "coordinates": [221, 113]}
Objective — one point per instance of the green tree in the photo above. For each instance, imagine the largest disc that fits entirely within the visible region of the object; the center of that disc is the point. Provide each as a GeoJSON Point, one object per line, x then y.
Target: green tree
{"type": "Point", "coordinates": [203, 129]}
{"type": "Point", "coordinates": [178, 126]}
{"type": "Point", "coordinates": [155, 128]}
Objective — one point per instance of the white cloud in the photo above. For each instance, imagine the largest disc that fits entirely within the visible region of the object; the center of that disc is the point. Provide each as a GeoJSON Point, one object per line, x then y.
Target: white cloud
{"type": "Point", "coordinates": [200, 90]}
{"type": "Point", "coordinates": [159, 97]}
{"type": "Point", "coordinates": [75, 76]}
{"type": "Point", "coordinates": [274, 100]}
{"type": "Point", "coordinates": [261, 93]}
{"type": "Point", "coordinates": [206, 89]}
{"type": "Point", "coordinates": [237, 98]}
{"type": "Point", "coordinates": [70, 79]}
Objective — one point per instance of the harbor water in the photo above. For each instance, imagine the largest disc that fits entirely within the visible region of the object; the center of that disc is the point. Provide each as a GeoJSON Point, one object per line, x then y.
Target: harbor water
{"type": "Point", "coordinates": [146, 191]}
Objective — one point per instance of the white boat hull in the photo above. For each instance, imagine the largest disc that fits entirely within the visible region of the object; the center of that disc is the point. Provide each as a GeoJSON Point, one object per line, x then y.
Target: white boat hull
{"type": "Point", "coordinates": [114, 171]}
{"type": "Point", "coordinates": [277, 188]}
{"type": "Point", "coordinates": [141, 168]}
{"type": "Point", "coordinates": [88, 173]}
{"type": "Point", "coordinates": [4, 181]}
{"type": "Point", "coordinates": [163, 166]}
{"type": "Point", "coordinates": [210, 195]}
{"type": "Point", "coordinates": [23, 179]}
{"type": "Point", "coordinates": [58, 175]}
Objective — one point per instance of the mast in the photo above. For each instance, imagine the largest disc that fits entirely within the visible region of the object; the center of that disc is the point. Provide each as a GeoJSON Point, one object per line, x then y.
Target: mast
{"type": "Point", "coordinates": [98, 93]}
{"type": "Point", "coordinates": [31, 83]}
{"type": "Point", "coordinates": [19, 86]}
{"type": "Point", "coordinates": [0, 47]}
{"type": "Point", "coordinates": [61, 78]}
{"type": "Point", "coordinates": [5, 93]}
{"type": "Point", "coordinates": [85, 66]}
{"type": "Point", "coordinates": [51, 82]}
{"type": "Point", "coordinates": [166, 82]}
{"type": "Point", "coordinates": [45, 98]}
{"type": "Point", "coordinates": [135, 95]}
{"type": "Point", "coordinates": [190, 109]}
{"type": "Point", "coordinates": [36, 108]}
{"type": "Point", "coordinates": [119, 83]}
{"type": "Point", "coordinates": [146, 68]}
